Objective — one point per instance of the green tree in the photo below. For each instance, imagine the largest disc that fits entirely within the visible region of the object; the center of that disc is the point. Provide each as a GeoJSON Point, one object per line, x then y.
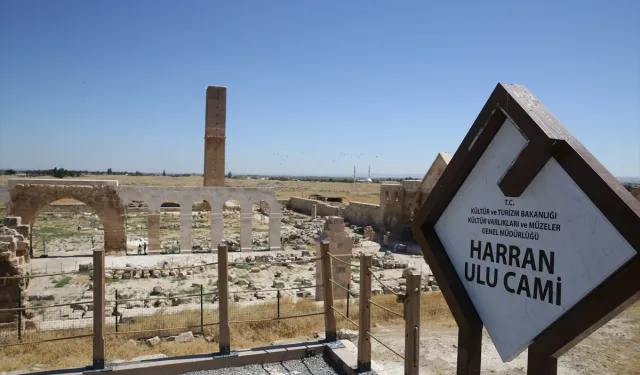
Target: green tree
{"type": "Point", "coordinates": [109, 171]}
{"type": "Point", "coordinates": [59, 172]}
{"type": "Point", "coordinates": [11, 172]}
{"type": "Point", "coordinates": [164, 173]}
{"type": "Point", "coordinates": [229, 175]}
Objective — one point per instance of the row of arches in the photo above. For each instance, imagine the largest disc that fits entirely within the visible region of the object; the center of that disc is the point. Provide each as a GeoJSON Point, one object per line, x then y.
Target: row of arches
{"type": "Point", "coordinates": [164, 230]}
{"type": "Point", "coordinates": [100, 217]}
{"type": "Point", "coordinates": [68, 223]}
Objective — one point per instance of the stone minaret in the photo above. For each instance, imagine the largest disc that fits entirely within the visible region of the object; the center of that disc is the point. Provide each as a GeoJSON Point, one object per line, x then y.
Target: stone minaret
{"type": "Point", "coordinates": [214, 138]}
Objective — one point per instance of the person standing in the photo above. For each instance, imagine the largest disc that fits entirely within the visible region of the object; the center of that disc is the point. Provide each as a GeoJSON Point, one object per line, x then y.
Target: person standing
{"type": "Point", "coordinates": [139, 249]}
{"type": "Point", "coordinates": [144, 247]}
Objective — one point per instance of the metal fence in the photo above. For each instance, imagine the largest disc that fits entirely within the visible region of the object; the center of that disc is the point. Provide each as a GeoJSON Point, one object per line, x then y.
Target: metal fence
{"type": "Point", "coordinates": [39, 318]}
{"type": "Point", "coordinates": [223, 310]}
{"type": "Point", "coordinates": [370, 310]}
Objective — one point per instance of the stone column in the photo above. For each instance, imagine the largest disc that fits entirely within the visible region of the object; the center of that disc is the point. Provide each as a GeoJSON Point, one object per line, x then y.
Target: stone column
{"type": "Point", "coordinates": [186, 221]}
{"type": "Point", "coordinates": [246, 219]}
{"type": "Point", "coordinates": [275, 219]}
{"type": "Point", "coordinates": [216, 227]}
{"type": "Point", "coordinates": [314, 211]}
{"type": "Point", "coordinates": [115, 233]}
{"type": "Point", "coordinates": [153, 228]}
{"type": "Point", "coordinates": [341, 247]}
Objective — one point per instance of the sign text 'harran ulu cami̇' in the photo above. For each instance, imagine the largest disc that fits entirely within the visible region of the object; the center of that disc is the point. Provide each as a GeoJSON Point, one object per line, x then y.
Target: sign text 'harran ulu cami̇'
{"type": "Point", "coordinates": [529, 235]}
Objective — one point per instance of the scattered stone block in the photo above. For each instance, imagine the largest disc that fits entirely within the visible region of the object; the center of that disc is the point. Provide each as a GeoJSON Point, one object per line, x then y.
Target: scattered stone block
{"type": "Point", "coordinates": [185, 337]}
{"type": "Point", "coordinates": [154, 341]}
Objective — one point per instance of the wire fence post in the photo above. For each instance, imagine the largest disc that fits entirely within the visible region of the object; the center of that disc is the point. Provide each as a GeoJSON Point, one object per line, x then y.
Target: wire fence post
{"type": "Point", "coordinates": [223, 304]}
{"type": "Point", "coordinates": [98, 310]}
{"type": "Point", "coordinates": [329, 315]}
{"type": "Point", "coordinates": [364, 341]}
{"type": "Point", "coordinates": [278, 296]}
{"type": "Point", "coordinates": [202, 309]}
{"type": "Point", "coordinates": [412, 325]}
{"type": "Point", "coordinates": [348, 296]}
{"type": "Point", "coordinates": [19, 313]}
{"type": "Point", "coordinates": [116, 310]}
{"type": "Point", "coordinates": [31, 240]}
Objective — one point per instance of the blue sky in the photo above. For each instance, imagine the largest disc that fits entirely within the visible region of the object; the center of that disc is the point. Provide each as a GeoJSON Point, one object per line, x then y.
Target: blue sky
{"type": "Point", "coordinates": [314, 87]}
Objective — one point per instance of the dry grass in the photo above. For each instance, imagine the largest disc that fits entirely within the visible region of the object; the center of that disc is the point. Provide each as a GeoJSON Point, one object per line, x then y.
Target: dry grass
{"type": "Point", "coordinates": [621, 357]}
{"type": "Point", "coordinates": [367, 193]}
{"type": "Point", "coordinates": [77, 352]}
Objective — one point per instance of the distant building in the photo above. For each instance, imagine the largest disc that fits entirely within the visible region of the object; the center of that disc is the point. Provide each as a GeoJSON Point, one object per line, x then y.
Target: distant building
{"type": "Point", "coordinates": [399, 201]}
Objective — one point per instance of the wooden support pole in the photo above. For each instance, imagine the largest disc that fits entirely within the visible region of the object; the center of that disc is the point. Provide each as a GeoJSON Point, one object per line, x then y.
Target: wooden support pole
{"type": "Point", "coordinates": [223, 301]}
{"type": "Point", "coordinates": [537, 364]}
{"type": "Point", "coordinates": [412, 325]}
{"type": "Point", "coordinates": [364, 325]}
{"type": "Point", "coordinates": [98, 310]}
{"type": "Point", "coordinates": [469, 349]}
{"type": "Point", "coordinates": [329, 315]}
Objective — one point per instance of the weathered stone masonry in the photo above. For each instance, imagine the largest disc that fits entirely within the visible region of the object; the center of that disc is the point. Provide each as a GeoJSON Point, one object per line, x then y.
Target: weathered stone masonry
{"type": "Point", "coordinates": [27, 197]}
{"type": "Point", "coordinates": [14, 261]}
{"type": "Point", "coordinates": [215, 136]}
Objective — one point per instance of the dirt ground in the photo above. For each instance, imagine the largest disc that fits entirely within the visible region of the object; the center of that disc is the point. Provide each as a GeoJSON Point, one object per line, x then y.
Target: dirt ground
{"type": "Point", "coordinates": [614, 349]}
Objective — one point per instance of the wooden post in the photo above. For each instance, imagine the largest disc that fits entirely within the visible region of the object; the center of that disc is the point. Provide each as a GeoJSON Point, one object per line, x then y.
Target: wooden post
{"type": "Point", "coordinates": [364, 341]}
{"type": "Point", "coordinates": [223, 301]}
{"type": "Point", "coordinates": [98, 310]}
{"type": "Point", "coordinates": [202, 309]}
{"type": "Point", "coordinates": [20, 311]}
{"type": "Point", "coordinates": [30, 240]}
{"type": "Point", "coordinates": [116, 310]}
{"type": "Point", "coordinates": [469, 348]}
{"type": "Point", "coordinates": [540, 365]}
{"type": "Point", "coordinates": [329, 315]}
{"type": "Point", "coordinates": [412, 326]}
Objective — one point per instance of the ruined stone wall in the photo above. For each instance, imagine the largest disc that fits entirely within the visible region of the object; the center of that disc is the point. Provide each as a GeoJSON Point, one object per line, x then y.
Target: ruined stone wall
{"type": "Point", "coordinates": [14, 261]}
{"type": "Point", "coordinates": [412, 199]}
{"type": "Point", "coordinates": [29, 199]}
{"type": "Point", "coordinates": [69, 208]}
{"type": "Point", "coordinates": [341, 245]}
{"type": "Point", "coordinates": [303, 206]}
{"type": "Point", "coordinates": [363, 214]}
{"type": "Point", "coordinates": [435, 171]}
{"type": "Point", "coordinates": [391, 204]}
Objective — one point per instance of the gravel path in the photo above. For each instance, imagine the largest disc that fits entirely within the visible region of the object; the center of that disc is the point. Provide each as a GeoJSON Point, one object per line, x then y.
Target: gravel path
{"type": "Point", "coordinates": [307, 366]}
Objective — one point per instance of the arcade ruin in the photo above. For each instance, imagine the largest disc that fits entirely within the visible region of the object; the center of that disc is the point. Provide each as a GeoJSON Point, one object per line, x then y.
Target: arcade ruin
{"type": "Point", "coordinates": [26, 198]}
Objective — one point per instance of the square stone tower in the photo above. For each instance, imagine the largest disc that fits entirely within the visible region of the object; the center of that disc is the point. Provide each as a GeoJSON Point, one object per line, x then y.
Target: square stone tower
{"type": "Point", "coordinates": [215, 137]}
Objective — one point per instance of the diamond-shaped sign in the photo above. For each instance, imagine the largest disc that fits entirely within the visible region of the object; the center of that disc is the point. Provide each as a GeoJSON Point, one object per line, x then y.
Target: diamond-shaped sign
{"type": "Point", "coordinates": [526, 231]}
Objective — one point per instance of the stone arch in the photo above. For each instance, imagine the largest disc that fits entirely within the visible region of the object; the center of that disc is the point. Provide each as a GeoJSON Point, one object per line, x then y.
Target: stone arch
{"type": "Point", "coordinates": [170, 220]}
{"type": "Point", "coordinates": [28, 200]}
{"type": "Point", "coordinates": [136, 223]}
{"type": "Point", "coordinates": [201, 214]}
{"type": "Point", "coordinates": [260, 210]}
{"type": "Point", "coordinates": [229, 214]}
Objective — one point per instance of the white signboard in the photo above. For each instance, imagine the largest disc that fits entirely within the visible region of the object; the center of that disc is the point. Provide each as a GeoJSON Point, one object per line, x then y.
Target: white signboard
{"type": "Point", "coordinates": [525, 261]}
